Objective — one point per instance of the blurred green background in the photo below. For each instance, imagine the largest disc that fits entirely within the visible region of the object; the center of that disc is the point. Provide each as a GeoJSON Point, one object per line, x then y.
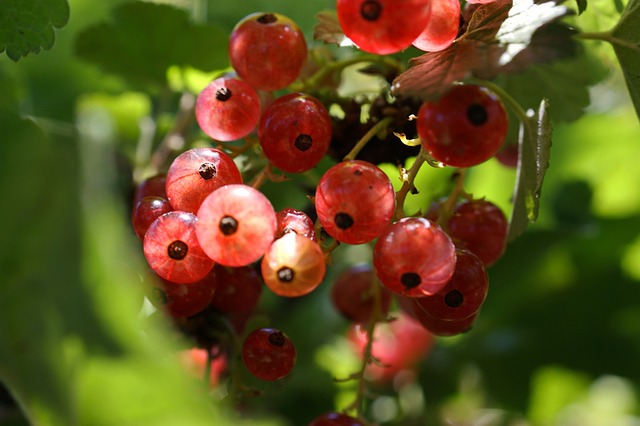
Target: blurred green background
{"type": "Point", "coordinates": [557, 341]}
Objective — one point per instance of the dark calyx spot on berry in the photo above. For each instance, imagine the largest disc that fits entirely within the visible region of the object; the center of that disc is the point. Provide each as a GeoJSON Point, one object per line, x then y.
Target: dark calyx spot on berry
{"type": "Point", "coordinates": [228, 225]}
{"type": "Point", "coordinates": [276, 339]}
{"type": "Point", "coordinates": [410, 280]}
{"type": "Point", "coordinates": [454, 299]}
{"type": "Point", "coordinates": [303, 142]}
{"type": "Point", "coordinates": [177, 250]}
{"type": "Point", "coordinates": [371, 10]}
{"type": "Point", "coordinates": [267, 18]}
{"type": "Point", "coordinates": [223, 94]}
{"type": "Point", "coordinates": [477, 114]}
{"type": "Point", "coordinates": [357, 172]}
{"type": "Point", "coordinates": [207, 170]}
{"type": "Point", "coordinates": [285, 274]}
{"type": "Point", "coordinates": [343, 221]}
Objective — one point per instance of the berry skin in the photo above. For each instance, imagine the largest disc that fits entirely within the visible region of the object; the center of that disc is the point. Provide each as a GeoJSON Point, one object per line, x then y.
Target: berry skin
{"type": "Point", "coordinates": [195, 174]}
{"type": "Point", "coordinates": [414, 257]}
{"type": "Point", "coordinates": [352, 294]}
{"type": "Point", "coordinates": [227, 109]}
{"type": "Point", "coordinates": [466, 127]}
{"type": "Point", "coordinates": [154, 186]}
{"type": "Point", "coordinates": [267, 50]}
{"type": "Point", "coordinates": [335, 419]}
{"type": "Point", "coordinates": [292, 220]}
{"type": "Point", "coordinates": [172, 249]}
{"type": "Point", "coordinates": [508, 155]}
{"type": "Point", "coordinates": [464, 293]}
{"type": "Point", "coordinates": [236, 225]}
{"type": "Point", "coordinates": [355, 201]}
{"type": "Point", "coordinates": [442, 27]}
{"type": "Point", "coordinates": [440, 327]}
{"type": "Point", "coordinates": [268, 354]}
{"type": "Point", "coordinates": [181, 300]}
{"type": "Point", "coordinates": [238, 290]}
{"type": "Point", "coordinates": [383, 26]}
{"type": "Point", "coordinates": [295, 132]}
{"type": "Point", "coordinates": [293, 266]}
{"type": "Point", "coordinates": [146, 211]}
{"type": "Point", "coordinates": [481, 227]}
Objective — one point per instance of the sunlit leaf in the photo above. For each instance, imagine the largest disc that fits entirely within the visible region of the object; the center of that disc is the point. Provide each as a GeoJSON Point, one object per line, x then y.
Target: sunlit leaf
{"type": "Point", "coordinates": [625, 39]}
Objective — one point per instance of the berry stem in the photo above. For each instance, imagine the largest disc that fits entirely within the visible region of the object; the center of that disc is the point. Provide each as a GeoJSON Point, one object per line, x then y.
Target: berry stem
{"type": "Point", "coordinates": [609, 38]}
{"type": "Point", "coordinates": [379, 126]}
{"type": "Point", "coordinates": [450, 203]}
{"type": "Point", "coordinates": [407, 183]}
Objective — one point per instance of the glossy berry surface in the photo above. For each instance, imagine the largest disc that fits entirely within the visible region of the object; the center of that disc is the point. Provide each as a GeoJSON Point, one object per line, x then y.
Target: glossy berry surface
{"type": "Point", "coordinates": [238, 289]}
{"type": "Point", "coordinates": [353, 294]}
{"type": "Point", "coordinates": [267, 50]}
{"type": "Point", "coordinates": [442, 27]}
{"type": "Point", "coordinates": [181, 300]}
{"type": "Point", "coordinates": [172, 249]}
{"type": "Point", "coordinates": [481, 227]}
{"type": "Point", "coordinates": [335, 419]}
{"type": "Point", "coordinates": [464, 128]}
{"type": "Point", "coordinates": [196, 173]}
{"type": "Point", "coordinates": [295, 132]}
{"type": "Point", "coordinates": [293, 266]}
{"type": "Point", "coordinates": [146, 211]}
{"type": "Point", "coordinates": [227, 109]}
{"type": "Point", "coordinates": [464, 293]}
{"type": "Point", "coordinates": [293, 220]}
{"type": "Point", "coordinates": [236, 225]}
{"type": "Point", "coordinates": [414, 257]}
{"type": "Point", "coordinates": [153, 186]}
{"type": "Point", "coordinates": [268, 354]}
{"type": "Point", "coordinates": [383, 26]}
{"type": "Point", "coordinates": [355, 201]}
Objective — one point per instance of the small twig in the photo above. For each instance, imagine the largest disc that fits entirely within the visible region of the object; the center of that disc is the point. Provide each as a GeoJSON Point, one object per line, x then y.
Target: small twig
{"type": "Point", "coordinates": [379, 126]}
{"type": "Point", "coordinates": [407, 183]}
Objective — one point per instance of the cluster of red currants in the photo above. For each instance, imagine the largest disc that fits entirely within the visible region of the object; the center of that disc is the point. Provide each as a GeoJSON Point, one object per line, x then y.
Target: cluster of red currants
{"type": "Point", "coordinates": [213, 240]}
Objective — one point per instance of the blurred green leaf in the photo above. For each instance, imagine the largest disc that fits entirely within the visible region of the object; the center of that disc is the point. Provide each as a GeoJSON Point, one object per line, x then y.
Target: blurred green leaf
{"type": "Point", "coordinates": [553, 388]}
{"type": "Point", "coordinates": [26, 26]}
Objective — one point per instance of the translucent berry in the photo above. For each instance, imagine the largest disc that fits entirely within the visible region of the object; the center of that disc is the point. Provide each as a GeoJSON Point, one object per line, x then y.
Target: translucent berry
{"type": "Point", "coordinates": [181, 300]}
{"type": "Point", "coordinates": [268, 354]}
{"type": "Point", "coordinates": [353, 294]}
{"type": "Point", "coordinates": [267, 50]}
{"type": "Point", "coordinates": [293, 220]}
{"type": "Point", "coordinates": [355, 201]}
{"type": "Point", "coordinates": [227, 109]}
{"type": "Point", "coordinates": [295, 132]}
{"type": "Point", "coordinates": [238, 289]}
{"type": "Point", "coordinates": [196, 173]}
{"type": "Point", "coordinates": [441, 327]}
{"type": "Point", "coordinates": [383, 26]}
{"type": "Point", "coordinates": [414, 257]}
{"type": "Point", "coordinates": [442, 27]}
{"type": "Point", "coordinates": [464, 128]}
{"type": "Point", "coordinates": [172, 249]}
{"type": "Point", "coordinates": [293, 266]}
{"type": "Point", "coordinates": [146, 211]}
{"type": "Point", "coordinates": [154, 186]}
{"type": "Point", "coordinates": [236, 225]}
{"type": "Point", "coordinates": [335, 419]}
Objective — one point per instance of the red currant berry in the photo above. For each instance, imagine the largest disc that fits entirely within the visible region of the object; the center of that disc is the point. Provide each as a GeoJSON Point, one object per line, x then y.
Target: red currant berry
{"type": "Point", "coordinates": [383, 26]}
{"type": "Point", "coordinates": [268, 354]}
{"type": "Point", "coordinates": [227, 109]}
{"type": "Point", "coordinates": [464, 293]}
{"type": "Point", "coordinates": [181, 300]}
{"type": "Point", "coordinates": [335, 419]}
{"type": "Point", "coordinates": [238, 290]}
{"type": "Point", "coordinates": [146, 211]}
{"type": "Point", "coordinates": [466, 127]}
{"type": "Point", "coordinates": [353, 294]}
{"type": "Point", "coordinates": [441, 327]}
{"type": "Point", "coordinates": [355, 201]}
{"type": "Point", "coordinates": [172, 249]}
{"type": "Point", "coordinates": [195, 360]}
{"type": "Point", "coordinates": [293, 266]}
{"type": "Point", "coordinates": [442, 27]}
{"type": "Point", "coordinates": [414, 257]}
{"type": "Point", "coordinates": [292, 220]}
{"type": "Point", "coordinates": [481, 227]}
{"type": "Point", "coordinates": [508, 155]}
{"type": "Point", "coordinates": [153, 186]}
{"type": "Point", "coordinates": [236, 225]}
{"type": "Point", "coordinates": [295, 132]}
{"type": "Point", "coordinates": [267, 50]}
{"type": "Point", "coordinates": [196, 173]}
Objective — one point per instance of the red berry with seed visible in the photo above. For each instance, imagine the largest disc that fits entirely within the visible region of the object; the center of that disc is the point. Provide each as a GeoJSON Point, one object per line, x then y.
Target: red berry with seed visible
{"type": "Point", "coordinates": [196, 173]}
{"type": "Point", "coordinates": [353, 294]}
{"type": "Point", "coordinates": [442, 28]}
{"type": "Point", "coordinates": [236, 225]}
{"type": "Point", "coordinates": [181, 300]}
{"type": "Point", "coordinates": [383, 26]}
{"type": "Point", "coordinates": [267, 50]}
{"type": "Point", "coordinates": [227, 109]}
{"type": "Point", "coordinates": [414, 257]}
{"type": "Point", "coordinates": [238, 289]}
{"type": "Point", "coordinates": [295, 132]}
{"type": "Point", "coordinates": [464, 128]}
{"type": "Point", "coordinates": [335, 419]}
{"type": "Point", "coordinates": [146, 211]}
{"type": "Point", "coordinates": [293, 220]}
{"type": "Point", "coordinates": [172, 249]}
{"type": "Point", "coordinates": [354, 201]}
{"type": "Point", "coordinates": [268, 354]}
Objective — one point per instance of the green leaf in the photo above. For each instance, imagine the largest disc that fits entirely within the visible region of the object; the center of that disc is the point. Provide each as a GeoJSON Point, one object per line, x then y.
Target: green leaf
{"type": "Point", "coordinates": [533, 162]}
{"type": "Point", "coordinates": [625, 39]}
{"type": "Point", "coordinates": [26, 26]}
{"type": "Point", "coordinates": [144, 40]}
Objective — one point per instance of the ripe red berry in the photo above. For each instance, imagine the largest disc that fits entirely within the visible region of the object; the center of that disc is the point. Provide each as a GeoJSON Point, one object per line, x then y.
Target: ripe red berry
{"type": "Point", "coordinates": [154, 186]}
{"type": "Point", "coordinates": [238, 289]}
{"type": "Point", "coordinates": [146, 211]}
{"type": "Point", "coordinates": [383, 26]}
{"type": "Point", "coordinates": [464, 128]}
{"type": "Point", "coordinates": [414, 257]}
{"type": "Point", "coordinates": [292, 220]}
{"type": "Point", "coordinates": [227, 109]}
{"type": "Point", "coordinates": [293, 266]}
{"type": "Point", "coordinates": [172, 249]}
{"type": "Point", "coordinates": [196, 173]}
{"type": "Point", "coordinates": [236, 225]}
{"type": "Point", "coordinates": [268, 354]}
{"type": "Point", "coordinates": [442, 27]}
{"type": "Point", "coordinates": [441, 327]}
{"type": "Point", "coordinates": [335, 419]}
{"type": "Point", "coordinates": [355, 201]}
{"type": "Point", "coordinates": [267, 50]}
{"type": "Point", "coordinates": [181, 300]}
{"type": "Point", "coordinates": [295, 132]}
{"type": "Point", "coordinates": [353, 294]}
